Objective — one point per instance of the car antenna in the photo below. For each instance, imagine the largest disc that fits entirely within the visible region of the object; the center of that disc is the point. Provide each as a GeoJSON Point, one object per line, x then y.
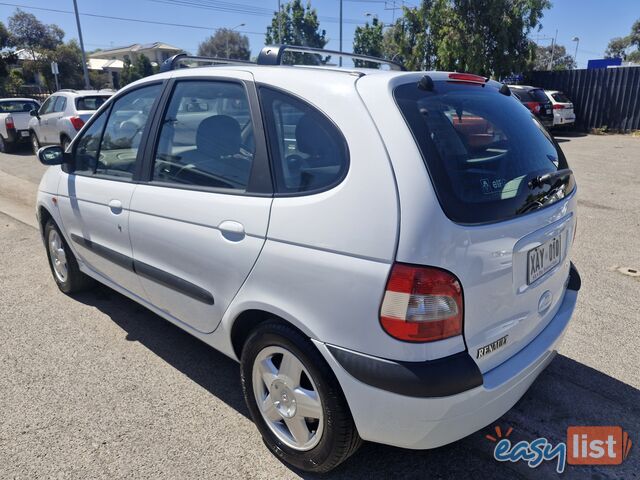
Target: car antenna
{"type": "Point", "coordinates": [505, 90]}
{"type": "Point", "coordinates": [426, 84]}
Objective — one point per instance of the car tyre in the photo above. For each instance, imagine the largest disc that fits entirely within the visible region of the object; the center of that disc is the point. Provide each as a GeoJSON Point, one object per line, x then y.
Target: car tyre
{"type": "Point", "coordinates": [63, 263]}
{"type": "Point", "coordinates": [35, 143]}
{"type": "Point", "coordinates": [328, 440]}
{"type": "Point", "coordinates": [6, 146]}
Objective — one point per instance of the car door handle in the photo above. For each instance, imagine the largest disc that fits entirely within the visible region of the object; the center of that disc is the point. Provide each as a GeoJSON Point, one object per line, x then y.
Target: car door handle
{"type": "Point", "coordinates": [231, 230]}
{"type": "Point", "coordinates": [115, 206]}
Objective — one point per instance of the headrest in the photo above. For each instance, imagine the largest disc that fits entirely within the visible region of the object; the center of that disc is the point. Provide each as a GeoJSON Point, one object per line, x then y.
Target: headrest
{"type": "Point", "coordinates": [219, 135]}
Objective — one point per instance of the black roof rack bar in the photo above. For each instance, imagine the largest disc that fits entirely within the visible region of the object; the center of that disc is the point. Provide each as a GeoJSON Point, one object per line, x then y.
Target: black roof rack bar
{"type": "Point", "coordinates": [272, 55]}
{"type": "Point", "coordinates": [174, 62]}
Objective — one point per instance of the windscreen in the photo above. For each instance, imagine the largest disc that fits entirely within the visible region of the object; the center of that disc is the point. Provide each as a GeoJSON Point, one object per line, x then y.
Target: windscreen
{"type": "Point", "coordinates": [482, 149]}
{"type": "Point", "coordinates": [92, 102]}
{"type": "Point", "coordinates": [560, 97]}
{"type": "Point", "coordinates": [18, 106]}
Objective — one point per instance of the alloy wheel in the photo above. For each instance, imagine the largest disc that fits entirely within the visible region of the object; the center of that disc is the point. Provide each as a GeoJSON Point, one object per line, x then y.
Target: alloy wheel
{"type": "Point", "coordinates": [58, 256]}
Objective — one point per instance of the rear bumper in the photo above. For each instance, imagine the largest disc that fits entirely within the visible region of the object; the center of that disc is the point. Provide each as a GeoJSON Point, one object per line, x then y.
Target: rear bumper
{"type": "Point", "coordinates": [405, 411]}
{"type": "Point", "coordinates": [14, 135]}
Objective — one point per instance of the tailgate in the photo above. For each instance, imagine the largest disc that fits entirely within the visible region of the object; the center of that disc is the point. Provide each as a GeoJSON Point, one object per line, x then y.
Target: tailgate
{"type": "Point", "coordinates": [21, 120]}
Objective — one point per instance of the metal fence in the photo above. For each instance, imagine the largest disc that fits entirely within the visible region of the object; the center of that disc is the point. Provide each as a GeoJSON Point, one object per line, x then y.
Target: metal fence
{"type": "Point", "coordinates": [604, 97]}
{"type": "Point", "coordinates": [36, 92]}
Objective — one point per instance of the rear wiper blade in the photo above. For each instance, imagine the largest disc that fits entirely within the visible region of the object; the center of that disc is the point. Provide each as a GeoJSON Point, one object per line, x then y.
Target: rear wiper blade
{"type": "Point", "coordinates": [554, 194]}
{"type": "Point", "coordinates": [548, 178]}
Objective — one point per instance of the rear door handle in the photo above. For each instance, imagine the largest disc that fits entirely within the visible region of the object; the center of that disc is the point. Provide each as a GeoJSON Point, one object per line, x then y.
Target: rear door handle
{"type": "Point", "coordinates": [231, 230]}
{"type": "Point", "coordinates": [115, 206]}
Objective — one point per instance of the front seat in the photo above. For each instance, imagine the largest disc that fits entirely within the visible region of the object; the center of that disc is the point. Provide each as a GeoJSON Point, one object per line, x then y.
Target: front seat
{"type": "Point", "coordinates": [218, 141]}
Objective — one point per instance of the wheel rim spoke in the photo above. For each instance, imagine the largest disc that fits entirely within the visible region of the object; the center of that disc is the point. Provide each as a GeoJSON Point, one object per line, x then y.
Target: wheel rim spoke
{"type": "Point", "coordinates": [291, 368]}
{"type": "Point", "coordinates": [268, 371]}
{"type": "Point", "coordinates": [307, 403]}
{"type": "Point", "coordinates": [269, 409]}
{"type": "Point", "coordinates": [298, 429]}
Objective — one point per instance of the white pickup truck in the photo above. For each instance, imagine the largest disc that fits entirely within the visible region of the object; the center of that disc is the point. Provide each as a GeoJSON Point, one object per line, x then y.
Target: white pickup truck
{"type": "Point", "coordinates": [14, 121]}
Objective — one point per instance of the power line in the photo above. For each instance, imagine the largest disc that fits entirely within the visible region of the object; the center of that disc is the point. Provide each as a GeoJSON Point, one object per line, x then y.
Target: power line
{"type": "Point", "coordinates": [124, 19]}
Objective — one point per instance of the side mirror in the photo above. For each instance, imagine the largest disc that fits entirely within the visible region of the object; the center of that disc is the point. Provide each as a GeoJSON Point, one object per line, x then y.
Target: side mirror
{"type": "Point", "coordinates": [52, 155]}
{"type": "Point", "coordinates": [34, 113]}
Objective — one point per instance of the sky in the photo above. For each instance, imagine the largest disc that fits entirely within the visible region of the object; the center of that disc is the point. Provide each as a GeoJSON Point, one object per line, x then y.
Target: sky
{"type": "Point", "coordinates": [594, 22]}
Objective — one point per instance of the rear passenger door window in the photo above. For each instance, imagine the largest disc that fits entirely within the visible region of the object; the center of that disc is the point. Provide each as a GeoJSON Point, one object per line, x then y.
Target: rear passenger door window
{"type": "Point", "coordinates": [206, 137]}
{"type": "Point", "coordinates": [309, 153]}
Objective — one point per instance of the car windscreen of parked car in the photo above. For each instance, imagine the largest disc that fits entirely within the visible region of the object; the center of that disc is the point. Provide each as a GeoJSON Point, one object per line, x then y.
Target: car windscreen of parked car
{"type": "Point", "coordinates": [92, 102]}
{"type": "Point", "coordinates": [560, 97]}
{"type": "Point", "coordinates": [18, 106]}
{"type": "Point", "coordinates": [481, 149]}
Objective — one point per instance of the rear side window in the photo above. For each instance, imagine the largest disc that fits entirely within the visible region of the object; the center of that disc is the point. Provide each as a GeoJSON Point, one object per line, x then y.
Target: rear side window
{"type": "Point", "coordinates": [309, 153]}
{"type": "Point", "coordinates": [560, 97]}
{"type": "Point", "coordinates": [93, 102]}
{"type": "Point", "coordinates": [60, 105]}
{"type": "Point", "coordinates": [481, 149]}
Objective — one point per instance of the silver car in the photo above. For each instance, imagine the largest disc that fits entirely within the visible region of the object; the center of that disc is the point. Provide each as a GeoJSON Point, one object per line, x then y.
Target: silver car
{"type": "Point", "coordinates": [62, 116]}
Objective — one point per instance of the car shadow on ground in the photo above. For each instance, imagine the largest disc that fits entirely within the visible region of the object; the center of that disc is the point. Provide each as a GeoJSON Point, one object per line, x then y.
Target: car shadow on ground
{"type": "Point", "coordinates": [567, 394]}
{"type": "Point", "coordinates": [562, 135]}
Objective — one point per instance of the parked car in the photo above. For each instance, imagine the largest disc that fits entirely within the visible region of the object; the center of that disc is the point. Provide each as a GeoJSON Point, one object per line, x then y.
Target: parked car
{"type": "Point", "coordinates": [536, 101]}
{"type": "Point", "coordinates": [562, 108]}
{"type": "Point", "coordinates": [386, 253]}
{"type": "Point", "coordinates": [62, 115]}
{"type": "Point", "coordinates": [14, 121]}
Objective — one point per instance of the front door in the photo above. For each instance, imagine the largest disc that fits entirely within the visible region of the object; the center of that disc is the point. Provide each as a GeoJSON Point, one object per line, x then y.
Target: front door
{"type": "Point", "coordinates": [95, 196]}
{"type": "Point", "coordinates": [197, 227]}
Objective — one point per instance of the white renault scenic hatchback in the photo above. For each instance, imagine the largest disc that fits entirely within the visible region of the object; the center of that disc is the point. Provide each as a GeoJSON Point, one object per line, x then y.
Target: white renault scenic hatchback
{"type": "Point", "coordinates": [387, 253]}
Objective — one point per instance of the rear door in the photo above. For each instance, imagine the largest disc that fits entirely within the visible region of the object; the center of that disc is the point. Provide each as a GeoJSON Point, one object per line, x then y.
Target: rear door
{"type": "Point", "coordinates": [506, 237]}
{"type": "Point", "coordinates": [199, 223]}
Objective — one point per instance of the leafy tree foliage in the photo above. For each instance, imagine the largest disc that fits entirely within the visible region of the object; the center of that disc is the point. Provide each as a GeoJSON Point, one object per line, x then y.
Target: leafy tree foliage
{"type": "Point", "coordinates": [295, 24]}
{"type": "Point", "coordinates": [627, 48]}
{"type": "Point", "coordinates": [28, 32]}
{"type": "Point", "coordinates": [487, 38]}
{"type": "Point", "coordinates": [140, 67]}
{"type": "Point", "coordinates": [369, 40]}
{"type": "Point", "coordinates": [226, 44]}
{"type": "Point", "coordinates": [561, 60]}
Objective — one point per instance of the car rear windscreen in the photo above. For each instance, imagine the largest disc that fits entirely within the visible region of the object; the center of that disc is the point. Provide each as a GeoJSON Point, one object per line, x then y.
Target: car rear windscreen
{"type": "Point", "coordinates": [539, 95]}
{"type": "Point", "coordinates": [560, 97]}
{"type": "Point", "coordinates": [92, 102]}
{"type": "Point", "coordinates": [18, 106]}
{"type": "Point", "coordinates": [482, 149]}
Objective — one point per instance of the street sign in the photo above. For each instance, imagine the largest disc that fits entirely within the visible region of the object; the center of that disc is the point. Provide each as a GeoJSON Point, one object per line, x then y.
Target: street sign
{"type": "Point", "coordinates": [54, 68]}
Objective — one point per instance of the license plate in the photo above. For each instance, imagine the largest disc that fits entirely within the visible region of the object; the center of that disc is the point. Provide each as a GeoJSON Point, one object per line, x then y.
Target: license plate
{"type": "Point", "coordinates": [548, 111]}
{"type": "Point", "coordinates": [24, 133]}
{"type": "Point", "coordinates": [543, 258]}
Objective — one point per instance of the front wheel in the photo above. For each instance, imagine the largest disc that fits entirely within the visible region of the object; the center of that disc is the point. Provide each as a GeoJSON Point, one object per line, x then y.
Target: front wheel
{"type": "Point", "coordinates": [295, 400]}
{"type": "Point", "coordinates": [63, 263]}
{"type": "Point", "coordinates": [35, 143]}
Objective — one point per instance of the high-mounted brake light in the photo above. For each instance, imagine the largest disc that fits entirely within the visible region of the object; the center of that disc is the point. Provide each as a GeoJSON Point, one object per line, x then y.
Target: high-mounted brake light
{"type": "Point", "coordinates": [421, 304]}
{"type": "Point", "coordinates": [9, 123]}
{"type": "Point", "coordinates": [77, 122]}
{"type": "Point", "coordinates": [467, 78]}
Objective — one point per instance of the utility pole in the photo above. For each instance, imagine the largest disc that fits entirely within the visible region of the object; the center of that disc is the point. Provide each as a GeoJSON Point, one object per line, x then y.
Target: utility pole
{"type": "Point", "coordinates": [87, 84]}
{"type": "Point", "coordinates": [279, 24]}
{"type": "Point", "coordinates": [341, 32]}
{"type": "Point", "coordinates": [553, 49]}
{"type": "Point", "coordinates": [575, 55]}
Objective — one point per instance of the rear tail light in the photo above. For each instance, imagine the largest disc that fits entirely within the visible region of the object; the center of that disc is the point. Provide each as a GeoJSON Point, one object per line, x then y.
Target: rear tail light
{"type": "Point", "coordinates": [77, 122]}
{"type": "Point", "coordinates": [467, 78]}
{"type": "Point", "coordinates": [557, 106]}
{"type": "Point", "coordinates": [533, 106]}
{"type": "Point", "coordinates": [9, 123]}
{"type": "Point", "coordinates": [421, 304]}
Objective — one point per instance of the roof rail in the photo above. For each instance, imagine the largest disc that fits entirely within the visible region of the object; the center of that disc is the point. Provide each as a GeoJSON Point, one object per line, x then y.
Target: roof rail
{"type": "Point", "coordinates": [176, 61]}
{"type": "Point", "coordinates": [272, 55]}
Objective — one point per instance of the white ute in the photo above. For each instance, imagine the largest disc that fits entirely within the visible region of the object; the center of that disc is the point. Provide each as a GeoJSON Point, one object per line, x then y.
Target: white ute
{"type": "Point", "coordinates": [387, 253]}
{"type": "Point", "coordinates": [14, 121]}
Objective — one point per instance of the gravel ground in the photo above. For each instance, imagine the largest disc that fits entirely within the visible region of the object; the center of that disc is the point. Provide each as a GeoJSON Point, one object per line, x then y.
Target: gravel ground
{"type": "Point", "coordinates": [95, 386]}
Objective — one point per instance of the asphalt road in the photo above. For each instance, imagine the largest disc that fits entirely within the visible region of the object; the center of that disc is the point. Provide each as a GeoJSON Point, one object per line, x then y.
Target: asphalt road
{"type": "Point", "coordinates": [95, 386]}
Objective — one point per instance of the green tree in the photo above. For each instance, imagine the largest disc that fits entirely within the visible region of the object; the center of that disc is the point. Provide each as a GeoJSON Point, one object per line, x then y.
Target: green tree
{"type": "Point", "coordinates": [28, 32]}
{"type": "Point", "coordinates": [141, 67]}
{"type": "Point", "coordinates": [226, 44]}
{"type": "Point", "coordinates": [627, 48]}
{"type": "Point", "coordinates": [369, 40]}
{"type": "Point", "coordinates": [487, 38]}
{"type": "Point", "coordinates": [561, 61]}
{"type": "Point", "coordinates": [295, 24]}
